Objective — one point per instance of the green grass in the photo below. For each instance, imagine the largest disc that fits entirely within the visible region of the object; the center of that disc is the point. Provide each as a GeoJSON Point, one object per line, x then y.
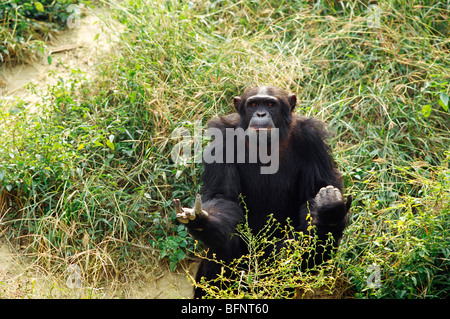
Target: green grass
{"type": "Point", "coordinates": [90, 179]}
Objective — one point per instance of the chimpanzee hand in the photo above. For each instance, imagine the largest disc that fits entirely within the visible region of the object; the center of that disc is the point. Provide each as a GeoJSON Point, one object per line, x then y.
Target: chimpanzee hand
{"type": "Point", "coordinates": [185, 215]}
{"type": "Point", "coordinates": [330, 208]}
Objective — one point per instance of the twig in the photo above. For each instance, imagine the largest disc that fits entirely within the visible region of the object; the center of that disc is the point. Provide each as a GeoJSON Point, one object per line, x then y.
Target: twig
{"type": "Point", "coordinates": [67, 47]}
{"type": "Point", "coordinates": [135, 245]}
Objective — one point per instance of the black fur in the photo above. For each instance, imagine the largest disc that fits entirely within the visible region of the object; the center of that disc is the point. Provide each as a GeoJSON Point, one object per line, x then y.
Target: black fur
{"type": "Point", "coordinates": [305, 166]}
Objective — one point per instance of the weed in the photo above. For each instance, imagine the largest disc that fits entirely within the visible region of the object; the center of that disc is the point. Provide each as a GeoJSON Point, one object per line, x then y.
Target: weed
{"type": "Point", "coordinates": [268, 272]}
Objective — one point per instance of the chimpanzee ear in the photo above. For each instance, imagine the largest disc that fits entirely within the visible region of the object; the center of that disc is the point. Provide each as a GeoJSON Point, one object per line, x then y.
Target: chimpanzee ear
{"type": "Point", "coordinates": [236, 101]}
{"type": "Point", "coordinates": [292, 101]}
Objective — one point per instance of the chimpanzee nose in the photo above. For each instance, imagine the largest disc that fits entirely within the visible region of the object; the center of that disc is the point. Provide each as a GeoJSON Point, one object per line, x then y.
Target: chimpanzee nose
{"type": "Point", "coordinates": [261, 114]}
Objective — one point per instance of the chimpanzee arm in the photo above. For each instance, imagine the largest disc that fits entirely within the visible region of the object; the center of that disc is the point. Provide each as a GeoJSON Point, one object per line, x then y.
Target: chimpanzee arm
{"type": "Point", "coordinates": [328, 212]}
{"type": "Point", "coordinates": [319, 183]}
{"type": "Point", "coordinates": [220, 211]}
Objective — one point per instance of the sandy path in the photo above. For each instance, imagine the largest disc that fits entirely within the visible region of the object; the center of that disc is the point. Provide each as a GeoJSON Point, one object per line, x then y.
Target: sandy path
{"type": "Point", "coordinates": [76, 48]}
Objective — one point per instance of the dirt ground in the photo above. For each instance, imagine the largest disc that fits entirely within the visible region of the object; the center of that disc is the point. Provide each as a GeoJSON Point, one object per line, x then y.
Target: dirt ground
{"type": "Point", "coordinates": [77, 48]}
{"type": "Point", "coordinates": [22, 279]}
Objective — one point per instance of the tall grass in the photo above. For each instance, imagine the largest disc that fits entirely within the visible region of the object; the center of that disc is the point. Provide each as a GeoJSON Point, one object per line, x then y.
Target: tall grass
{"type": "Point", "coordinates": [90, 180]}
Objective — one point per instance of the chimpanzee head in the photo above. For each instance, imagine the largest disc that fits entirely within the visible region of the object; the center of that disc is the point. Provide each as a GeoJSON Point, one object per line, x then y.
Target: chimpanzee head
{"type": "Point", "coordinates": [265, 108]}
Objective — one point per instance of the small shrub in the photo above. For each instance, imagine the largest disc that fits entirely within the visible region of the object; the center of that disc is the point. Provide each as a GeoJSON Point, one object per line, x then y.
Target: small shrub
{"type": "Point", "coordinates": [266, 272]}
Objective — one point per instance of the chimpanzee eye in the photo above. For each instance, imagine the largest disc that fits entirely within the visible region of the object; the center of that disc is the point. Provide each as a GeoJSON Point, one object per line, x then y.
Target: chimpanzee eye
{"type": "Point", "coordinates": [253, 104]}
{"type": "Point", "coordinates": [270, 104]}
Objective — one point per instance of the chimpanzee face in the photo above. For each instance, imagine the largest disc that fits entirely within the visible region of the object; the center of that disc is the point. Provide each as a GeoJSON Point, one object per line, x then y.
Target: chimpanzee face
{"type": "Point", "coordinates": [260, 111]}
{"type": "Point", "coordinates": [265, 108]}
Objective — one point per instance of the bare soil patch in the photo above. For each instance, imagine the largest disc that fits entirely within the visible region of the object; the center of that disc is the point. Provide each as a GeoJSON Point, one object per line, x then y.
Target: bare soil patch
{"type": "Point", "coordinates": [77, 48]}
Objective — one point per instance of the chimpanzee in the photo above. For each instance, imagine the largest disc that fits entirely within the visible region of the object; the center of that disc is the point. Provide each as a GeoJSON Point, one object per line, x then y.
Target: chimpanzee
{"type": "Point", "coordinates": [305, 182]}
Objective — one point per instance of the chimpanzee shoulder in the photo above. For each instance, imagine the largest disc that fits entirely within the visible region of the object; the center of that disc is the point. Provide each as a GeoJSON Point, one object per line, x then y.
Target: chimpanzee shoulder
{"type": "Point", "coordinates": [309, 129]}
{"type": "Point", "coordinates": [309, 142]}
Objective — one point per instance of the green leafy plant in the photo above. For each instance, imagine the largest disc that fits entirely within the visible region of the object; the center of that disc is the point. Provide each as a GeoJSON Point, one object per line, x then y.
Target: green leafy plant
{"type": "Point", "coordinates": [268, 272]}
{"type": "Point", "coordinates": [407, 241]}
